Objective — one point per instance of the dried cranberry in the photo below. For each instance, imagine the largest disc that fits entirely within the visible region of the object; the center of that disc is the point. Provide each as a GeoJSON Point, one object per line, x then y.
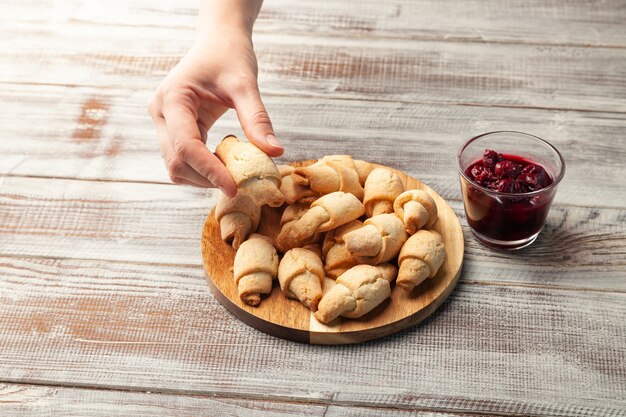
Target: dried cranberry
{"type": "Point", "coordinates": [507, 169]}
{"type": "Point", "coordinates": [492, 185]}
{"type": "Point", "coordinates": [518, 187]}
{"type": "Point", "coordinates": [490, 158]}
{"type": "Point", "coordinates": [481, 179]}
{"type": "Point", "coordinates": [509, 185]}
{"type": "Point", "coordinates": [477, 170]}
{"type": "Point", "coordinates": [485, 178]}
{"type": "Point", "coordinates": [504, 185]}
{"type": "Point", "coordinates": [534, 176]}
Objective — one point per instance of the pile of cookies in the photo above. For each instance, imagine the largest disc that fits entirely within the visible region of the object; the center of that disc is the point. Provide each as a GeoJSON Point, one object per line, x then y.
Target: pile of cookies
{"type": "Point", "coordinates": [343, 218]}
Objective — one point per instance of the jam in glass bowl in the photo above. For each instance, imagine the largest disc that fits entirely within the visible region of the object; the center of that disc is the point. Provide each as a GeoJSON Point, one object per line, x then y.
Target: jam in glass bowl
{"type": "Point", "coordinates": [508, 181]}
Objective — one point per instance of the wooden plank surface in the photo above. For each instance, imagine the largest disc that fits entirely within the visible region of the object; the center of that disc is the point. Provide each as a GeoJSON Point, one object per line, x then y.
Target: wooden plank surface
{"type": "Point", "coordinates": [538, 76]}
{"type": "Point", "coordinates": [156, 327]}
{"type": "Point", "coordinates": [560, 22]}
{"type": "Point", "coordinates": [100, 276]}
{"type": "Point", "coordinates": [34, 401]}
{"type": "Point", "coordinates": [157, 223]}
{"type": "Point", "coordinates": [21, 400]}
{"type": "Point", "coordinates": [420, 139]}
{"type": "Point", "coordinates": [103, 220]}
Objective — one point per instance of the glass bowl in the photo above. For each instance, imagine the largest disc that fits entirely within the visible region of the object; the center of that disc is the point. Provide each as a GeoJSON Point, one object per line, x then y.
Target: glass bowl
{"type": "Point", "coordinates": [504, 214]}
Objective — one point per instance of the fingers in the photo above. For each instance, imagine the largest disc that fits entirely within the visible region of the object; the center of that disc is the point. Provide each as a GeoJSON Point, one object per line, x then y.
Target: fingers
{"type": "Point", "coordinates": [186, 153]}
{"type": "Point", "coordinates": [208, 113]}
{"type": "Point", "coordinates": [206, 164]}
{"type": "Point", "coordinates": [256, 122]}
{"type": "Point", "coordinates": [183, 181]}
{"type": "Point", "coordinates": [180, 171]}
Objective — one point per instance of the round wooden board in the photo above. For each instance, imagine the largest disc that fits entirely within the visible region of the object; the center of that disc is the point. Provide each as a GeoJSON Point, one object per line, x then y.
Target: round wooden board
{"type": "Point", "coordinates": [288, 319]}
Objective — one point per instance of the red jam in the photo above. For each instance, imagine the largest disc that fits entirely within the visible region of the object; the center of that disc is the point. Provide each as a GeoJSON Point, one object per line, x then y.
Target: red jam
{"type": "Point", "coordinates": [508, 173]}
{"type": "Point", "coordinates": [507, 218]}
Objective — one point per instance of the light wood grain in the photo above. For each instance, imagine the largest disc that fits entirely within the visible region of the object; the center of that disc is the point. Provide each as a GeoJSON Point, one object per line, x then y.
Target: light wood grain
{"type": "Point", "coordinates": [110, 221]}
{"type": "Point", "coordinates": [549, 22]}
{"type": "Point", "coordinates": [578, 22]}
{"type": "Point", "coordinates": [289, 319]}
{"type": "Point", "coordinates": [22, 400]}
{"type": "Point", "coordinates": [537, 76]}
{"type": "Point", "coordinates": [156, 327]}
{"type": "Point", "coordinates": [34, 401]}
{"type": "Point", "coordinates": [153, 223]}
{"type": "Point", "coordinates": [420, 139]}
{"type": "Point", "coordinates": [101, 283]}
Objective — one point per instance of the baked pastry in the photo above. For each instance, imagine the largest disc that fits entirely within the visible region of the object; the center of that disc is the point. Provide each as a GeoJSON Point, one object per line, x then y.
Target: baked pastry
{"type": "Point", "coordinates": [329, 174]}
{"type": "Point", "coordinates": [255, 267]}
{"type": "Point", "coordinates": [379, 240]}
{"type": "Point", "coordinates": [381, 189]}
{"type": "Point", "coordinates": [293, 213]}
{"type": "Point", "coordinates": [417, 209]}
{"type": "Point", "coordinates": [337, 257]}
{"type": "Point", "coordinates": [315, 248]}
{"type": "Point", "coordinates": [389, 271]}
{"type": "Point", "coordinates": [238, 217]}
{"type": "Point", "coordinates": [326, 213]}
{"type": "Point", "coordinates": [284, 170]}
{"type": "Point", "coordinates": [301, 276]}
{"type": "Point", "coordinates": [292, 191]}
{"type": "Point", "coordinates": [421, 257]}
{"type": "Point", "coordinates": [363, 169]}
{"type": "Point", "coordinates": [356, 292]}
{"type": "Point", "coordinates": [252, 170]}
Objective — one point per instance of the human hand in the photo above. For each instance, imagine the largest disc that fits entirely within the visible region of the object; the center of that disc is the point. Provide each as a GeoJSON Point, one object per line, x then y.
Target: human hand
{"type": "Point", "coordinates": [218, 73]}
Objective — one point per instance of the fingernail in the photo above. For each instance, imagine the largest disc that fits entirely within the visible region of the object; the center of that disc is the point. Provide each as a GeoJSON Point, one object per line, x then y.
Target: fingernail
{"type": "Point", "coordinates": [271, 139]}
{"type": "Point", "coordinates": [227, 192]}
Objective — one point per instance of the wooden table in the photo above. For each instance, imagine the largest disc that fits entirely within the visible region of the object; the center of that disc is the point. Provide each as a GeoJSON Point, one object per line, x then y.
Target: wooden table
{"type": "Point", "coordinates": [104, 309]}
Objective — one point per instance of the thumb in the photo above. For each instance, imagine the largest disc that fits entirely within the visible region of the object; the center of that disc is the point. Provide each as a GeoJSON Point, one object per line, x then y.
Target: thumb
{"type": "Point", "coordinates": [256, 122]}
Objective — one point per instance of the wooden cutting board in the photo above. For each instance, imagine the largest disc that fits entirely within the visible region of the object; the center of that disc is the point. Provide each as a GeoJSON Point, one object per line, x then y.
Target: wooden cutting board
{"type": "Point", "coordinates": [288, 319]}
